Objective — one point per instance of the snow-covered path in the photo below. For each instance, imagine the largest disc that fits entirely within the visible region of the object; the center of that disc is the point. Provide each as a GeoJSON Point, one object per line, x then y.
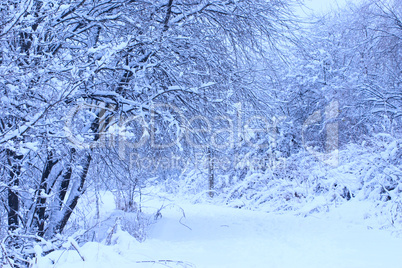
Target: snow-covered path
{"type": "Point", "coordinates": [226, 237]}
{"type": "Point", "coordinates": [213, 236]}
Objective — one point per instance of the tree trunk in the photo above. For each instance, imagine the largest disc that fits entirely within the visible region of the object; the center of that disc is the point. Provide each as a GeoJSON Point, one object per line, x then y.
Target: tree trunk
{"type": "Point", "coordinates": [211, 174]}
{"type": "Point", "coordinates": [43, 191]}
{"type": "Point", "coordinates": [13, 199]}
{"type": "Point", "coordinates": [75, 194]}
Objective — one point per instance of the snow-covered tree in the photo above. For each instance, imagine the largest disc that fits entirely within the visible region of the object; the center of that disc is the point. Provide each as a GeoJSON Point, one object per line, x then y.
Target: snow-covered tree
{"type": "Point", "coordinates": [75, 75]}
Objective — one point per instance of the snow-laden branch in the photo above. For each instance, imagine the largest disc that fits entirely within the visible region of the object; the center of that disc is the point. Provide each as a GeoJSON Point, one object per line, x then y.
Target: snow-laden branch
{"type": "Point", "coordinates": [21, 130]}
{"type": "Point", "coordinates": [16, 18]}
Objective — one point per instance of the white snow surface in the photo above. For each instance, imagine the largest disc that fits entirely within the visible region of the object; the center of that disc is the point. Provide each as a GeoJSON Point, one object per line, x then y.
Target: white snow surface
{"type": "Point", "coordinates": [216, 236]}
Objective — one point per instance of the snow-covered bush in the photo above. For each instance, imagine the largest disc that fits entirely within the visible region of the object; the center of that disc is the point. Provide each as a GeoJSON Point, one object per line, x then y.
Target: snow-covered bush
{"type": "Point", "coordinates": [371, 171]}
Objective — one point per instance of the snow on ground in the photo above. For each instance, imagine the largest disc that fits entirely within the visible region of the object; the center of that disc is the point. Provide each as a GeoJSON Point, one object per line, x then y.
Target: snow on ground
{"type": "Point", "coordinates": [216, 236]}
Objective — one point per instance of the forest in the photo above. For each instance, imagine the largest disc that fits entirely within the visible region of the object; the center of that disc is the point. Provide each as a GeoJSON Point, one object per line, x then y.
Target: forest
{"type": "Point", "coordinates": [239, 103]}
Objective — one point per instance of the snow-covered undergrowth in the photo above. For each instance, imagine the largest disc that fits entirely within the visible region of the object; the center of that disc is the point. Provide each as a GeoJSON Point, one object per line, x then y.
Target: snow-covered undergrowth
{"type": "Point", "coordinates": [369, 173]}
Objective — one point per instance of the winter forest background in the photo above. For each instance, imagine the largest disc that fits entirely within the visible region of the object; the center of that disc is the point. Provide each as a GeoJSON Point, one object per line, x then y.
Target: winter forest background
{"type": "Point", "coordinates": [239, 103]}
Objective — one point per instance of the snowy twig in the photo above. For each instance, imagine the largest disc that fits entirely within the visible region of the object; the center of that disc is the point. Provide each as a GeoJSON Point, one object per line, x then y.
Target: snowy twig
{"type": "Point", "coordinates": [5, 255]}
{"type": "Point", "coordinates": [184, 216]}
{"type": "Point", "coordinates": [182, 211]}
{"type": "Point", "coordinates": [166, 262]}
{"type": "Point", "coordinates": [108, 240]}
{"type": "Point", "coordinates": [76, 248]}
